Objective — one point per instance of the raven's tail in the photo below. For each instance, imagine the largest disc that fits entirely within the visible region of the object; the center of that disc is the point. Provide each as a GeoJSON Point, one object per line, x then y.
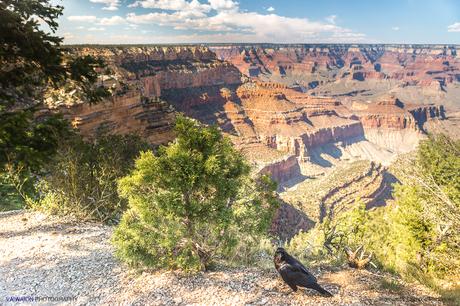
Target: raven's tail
{"type": "Point", "coordinates": [321, 290]}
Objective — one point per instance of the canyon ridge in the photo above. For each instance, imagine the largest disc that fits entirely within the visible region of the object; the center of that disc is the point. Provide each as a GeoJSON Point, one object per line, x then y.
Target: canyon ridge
{"type": "Point", "coordinates": [326, 122]}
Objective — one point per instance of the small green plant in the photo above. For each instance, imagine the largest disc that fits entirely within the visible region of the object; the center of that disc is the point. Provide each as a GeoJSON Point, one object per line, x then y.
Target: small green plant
{"type": "Point", "coordinates": [390, 284]}
{"type": "Point", "coordinates": [191, 203]}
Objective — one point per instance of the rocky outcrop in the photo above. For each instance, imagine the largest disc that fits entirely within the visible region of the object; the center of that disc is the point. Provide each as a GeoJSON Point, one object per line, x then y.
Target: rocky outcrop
{"type": "Point", "coordinates": [423, 114]}
{"type": "Point", "coordinates": [288, 221]}
{"type": "Point", "coordinates": [359, 61]}
{"type": "Point", "coordinates": [200, 75]}
{"type": "Point", "coordinates": [127, 55]}
{"type": "Point", "coordinates": [153, 69]}
{"type": "Point", "coordinates": [327, 195]}
{"type": "Point", "coordinates": [130, 113]}
{"type": "Point", "coordinates": [139, 76]}
{"type": "Point", "coordinates": [299, 145]}
{"type": "Point", "coordinates": [282, 170]}
{"type": "Point", "coordinates": [392, 114]}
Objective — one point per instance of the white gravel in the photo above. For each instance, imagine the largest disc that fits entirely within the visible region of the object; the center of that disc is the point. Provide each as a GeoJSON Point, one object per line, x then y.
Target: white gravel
{"type": "Point", "coordinates": [50, 258]}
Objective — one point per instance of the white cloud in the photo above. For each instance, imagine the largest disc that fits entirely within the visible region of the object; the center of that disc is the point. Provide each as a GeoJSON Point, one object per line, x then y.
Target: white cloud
{"type": "Point", "coordinates": [222, 21]}
{"type": "Point", "coordinates": [110, 8]}
{"type": "Point", "coordinates": [174, 5]}
{"type": "Point", "coordinates": [109, 21]}
{"type": "Point", "coordinates": [183, 5]}
{"type": "Point", "coordinates": [82, 18]}
{"type": "Point", "coordinates": [223, 5]}
{"type": "Point", "coordinates": [110, 5]}
{"type": "Point", "coordinates": [271, 9]}
{"type": "Point", "coordinates": [259, 27]}
{"type": "Point", "coordinates": [331, 19]}
{"type": "Point", "coordinates": [114, 20]}
{"type": "Point", "coordinates": [395, 28]}
{"type": "Point", "coordinates": [96, 29]}
{"type": "Point", "coordinates": [454, 27]}
{"type": "Point", "coordinates": [68, 36]}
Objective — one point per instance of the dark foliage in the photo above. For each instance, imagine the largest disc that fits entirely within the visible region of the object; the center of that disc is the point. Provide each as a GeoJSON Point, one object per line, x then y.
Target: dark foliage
{"type": "Point", "coordinates": [31, 60]}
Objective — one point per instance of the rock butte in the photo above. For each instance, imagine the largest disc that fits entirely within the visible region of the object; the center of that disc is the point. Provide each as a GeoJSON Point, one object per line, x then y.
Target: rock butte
{"type": "Point", "coordinates": [295, 111]}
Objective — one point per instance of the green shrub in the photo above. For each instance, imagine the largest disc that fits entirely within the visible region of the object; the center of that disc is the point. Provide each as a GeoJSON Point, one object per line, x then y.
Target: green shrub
{"type": "Point", "coordinates": [16, 187]}
{"type": "Point", "coordinates": [422, 236]}
{"type": "Point", "coordinates": [253, 213]}
{"type": "Point", "coordinates": [82, 179]}
{"type": "Point", "coordinates": [190, 203]}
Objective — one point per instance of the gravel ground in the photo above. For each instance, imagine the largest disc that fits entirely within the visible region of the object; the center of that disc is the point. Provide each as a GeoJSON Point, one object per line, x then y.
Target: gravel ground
{"type": "Point", "coordinates": [49, 258]}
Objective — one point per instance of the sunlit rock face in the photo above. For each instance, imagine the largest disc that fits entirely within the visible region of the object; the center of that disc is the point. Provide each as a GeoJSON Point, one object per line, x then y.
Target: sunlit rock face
{"type": "Point", "coordinates": [248, 92]}
{"type": "Point", "coordinates": [259, 109]}
{"type": "Point", "coordinates": [421, 74]}
{"type": "Point", "coordinates": [138, 75]}
{"type": "Point", "coordinates": [128, 114]}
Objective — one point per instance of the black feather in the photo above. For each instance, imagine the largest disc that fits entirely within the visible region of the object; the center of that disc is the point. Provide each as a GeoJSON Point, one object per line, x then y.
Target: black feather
{"type": "Point", "coordinates": [294, 273]}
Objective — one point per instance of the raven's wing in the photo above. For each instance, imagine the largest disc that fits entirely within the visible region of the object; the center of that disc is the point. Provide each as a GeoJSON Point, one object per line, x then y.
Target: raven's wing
{"type": "Point", "coordinates": [290, 275]}
{"type": "Point", "coordinates": [298, 265]}
{"type": "Point", "coordinates": [294, 276]}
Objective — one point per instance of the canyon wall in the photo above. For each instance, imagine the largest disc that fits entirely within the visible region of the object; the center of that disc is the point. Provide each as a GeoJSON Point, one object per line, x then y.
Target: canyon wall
{"type": "Point", "coordinates": [127, 55]}
{"type": "Point", "coordinates": [415, 73]}
{"type": "Point", "coordinates": [129, 114]}
{"type": "Point", "coordinates": [138, 76]}
{"type": "Point", "coordinates": [282, 170]}
{"type": "Point", "coordinates": [152, 82]}
{"type": "Point", "coordinates": [204, 75]}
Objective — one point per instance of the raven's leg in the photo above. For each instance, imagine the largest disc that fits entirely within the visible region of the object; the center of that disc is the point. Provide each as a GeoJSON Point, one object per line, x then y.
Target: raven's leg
{"type": "Point", "coordinates": [293, 287]}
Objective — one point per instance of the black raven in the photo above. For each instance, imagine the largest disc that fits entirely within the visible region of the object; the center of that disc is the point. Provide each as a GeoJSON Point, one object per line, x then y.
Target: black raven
{"type": "Point", "coordinates": [295, 274]}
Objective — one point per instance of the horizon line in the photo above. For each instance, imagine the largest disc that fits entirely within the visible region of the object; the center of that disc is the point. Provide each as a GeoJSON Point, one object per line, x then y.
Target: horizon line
{"type": "Point", "coordinates": [252, 44]}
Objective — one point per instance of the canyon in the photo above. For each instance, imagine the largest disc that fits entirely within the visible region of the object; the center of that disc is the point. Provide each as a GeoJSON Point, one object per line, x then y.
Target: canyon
{"type": "Point", "coordinates": [421, 73]}
{"type": "Point", "coordinates": [324, 121]}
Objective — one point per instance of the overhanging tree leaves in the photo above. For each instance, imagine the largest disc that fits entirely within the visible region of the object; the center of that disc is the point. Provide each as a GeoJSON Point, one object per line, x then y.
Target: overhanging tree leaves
{"type": "Point", "coordinates": [31, 60]}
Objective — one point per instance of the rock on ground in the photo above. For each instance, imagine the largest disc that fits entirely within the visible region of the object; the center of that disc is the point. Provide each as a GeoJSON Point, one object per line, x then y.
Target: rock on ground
{"type": "Point", "coordinates": [44, 256]}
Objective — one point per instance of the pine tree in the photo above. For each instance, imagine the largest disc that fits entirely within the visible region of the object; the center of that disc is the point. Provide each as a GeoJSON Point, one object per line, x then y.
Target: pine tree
{"type": "Point", "coordinates": [184, 200]}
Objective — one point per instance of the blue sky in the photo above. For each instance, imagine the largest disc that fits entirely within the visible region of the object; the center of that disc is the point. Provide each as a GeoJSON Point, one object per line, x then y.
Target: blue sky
{"type": "Point", "coordinates": [286, 21]}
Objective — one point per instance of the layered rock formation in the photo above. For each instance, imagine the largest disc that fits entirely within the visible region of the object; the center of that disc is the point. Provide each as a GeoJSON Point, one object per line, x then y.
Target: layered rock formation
{"type": "Point", "coordinates": [151, 119]}
{"type": "Point", "coordinates": [276, 115]}
{"type": "Point", "coordinates": [423, 73]}
{"type": "Point", "coordinates": [138, 76]}
{"type": "Point", "coordinates": [301, 113]}
{"type": "Point", "coordinates": [282, 170]}
{"type": "Point", "coordinates": [391, 113]}
{"type": "Point", "coordinates": [325, 196]}
{"type": "Point", "coordinates": [162, 68]}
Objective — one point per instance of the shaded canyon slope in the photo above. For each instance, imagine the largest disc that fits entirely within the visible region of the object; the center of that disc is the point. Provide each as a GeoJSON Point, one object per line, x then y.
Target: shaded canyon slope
{"type": "Point", "coordinates": [299, 113]}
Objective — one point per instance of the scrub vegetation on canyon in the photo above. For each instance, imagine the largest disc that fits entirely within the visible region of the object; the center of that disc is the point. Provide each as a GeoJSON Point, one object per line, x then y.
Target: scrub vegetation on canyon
{"type": "Point", "coordinates": [126, 162]}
